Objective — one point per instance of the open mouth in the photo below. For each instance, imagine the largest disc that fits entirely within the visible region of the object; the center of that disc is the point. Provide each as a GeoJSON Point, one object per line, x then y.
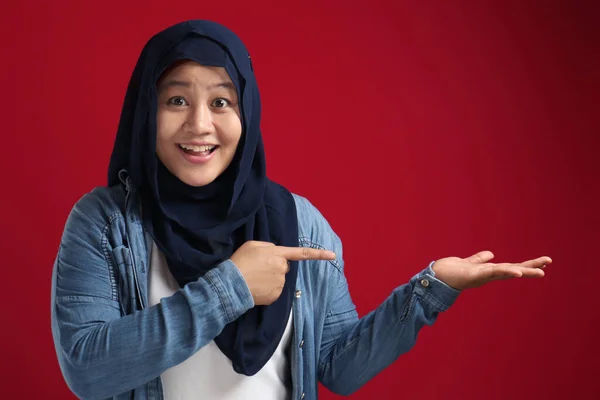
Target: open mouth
{"type": "Point", "coordinates": [198, 150]}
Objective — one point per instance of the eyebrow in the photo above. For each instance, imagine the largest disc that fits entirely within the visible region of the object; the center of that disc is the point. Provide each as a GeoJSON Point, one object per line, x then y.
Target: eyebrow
{"type": "Point", "coordinates": [186, 84]}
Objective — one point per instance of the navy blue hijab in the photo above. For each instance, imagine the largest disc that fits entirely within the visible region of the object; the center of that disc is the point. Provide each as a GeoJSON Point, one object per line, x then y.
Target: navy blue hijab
{"type": "Point", "coordinates": [196, 228]}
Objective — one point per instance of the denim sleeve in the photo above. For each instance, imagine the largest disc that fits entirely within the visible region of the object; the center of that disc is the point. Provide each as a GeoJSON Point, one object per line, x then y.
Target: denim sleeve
{"type": "Point", "coordinates": [102, 353]}
{"type": "Point", "coordinates": [354, 350]}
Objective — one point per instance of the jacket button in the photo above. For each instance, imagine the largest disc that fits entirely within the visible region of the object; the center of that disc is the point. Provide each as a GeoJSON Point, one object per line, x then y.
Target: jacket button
{"type": "Point", "coordinates": [302, 396]}
{"type": "Point", "coordinates": [425, 282]}
{"type": "Point", "coordinates": [301, 343]}
{"type": "Point", "coordinates": [298, 293]}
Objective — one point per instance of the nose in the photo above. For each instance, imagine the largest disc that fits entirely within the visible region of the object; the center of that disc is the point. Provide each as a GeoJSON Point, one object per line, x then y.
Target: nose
{"type": "Point", "coordinates": [201, 120]}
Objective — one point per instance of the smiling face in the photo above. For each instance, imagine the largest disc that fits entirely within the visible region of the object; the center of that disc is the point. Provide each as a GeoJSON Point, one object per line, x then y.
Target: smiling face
{"type": "Point", "coordinates": [198, 122]}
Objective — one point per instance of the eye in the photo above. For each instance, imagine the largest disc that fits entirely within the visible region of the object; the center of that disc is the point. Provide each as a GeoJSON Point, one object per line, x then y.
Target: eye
{"type": "Point", "coordinates": [177, 101]}
{"type": "Point", "coordinates": [220, 103]}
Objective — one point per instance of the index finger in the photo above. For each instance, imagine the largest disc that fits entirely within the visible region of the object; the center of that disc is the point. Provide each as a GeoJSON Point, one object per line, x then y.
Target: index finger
{"type": "Point", "coordinates": [304, 253]}
{"type": "Point", "coordinates": [536, 263]}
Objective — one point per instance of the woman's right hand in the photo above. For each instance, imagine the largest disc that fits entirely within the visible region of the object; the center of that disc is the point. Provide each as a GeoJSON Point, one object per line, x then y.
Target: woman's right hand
{"type": "Point", "coordinates": [264, 266]}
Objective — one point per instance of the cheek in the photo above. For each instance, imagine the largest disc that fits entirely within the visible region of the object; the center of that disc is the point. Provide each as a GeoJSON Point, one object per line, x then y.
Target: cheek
{"type": "Point", "coordinates": [233, 127]}
{"type": "Point", "coordinates": [166, 127]}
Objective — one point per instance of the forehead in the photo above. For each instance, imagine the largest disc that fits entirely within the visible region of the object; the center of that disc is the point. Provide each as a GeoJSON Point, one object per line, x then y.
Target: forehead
{"type": "Point", "coordinates": [194, 73]}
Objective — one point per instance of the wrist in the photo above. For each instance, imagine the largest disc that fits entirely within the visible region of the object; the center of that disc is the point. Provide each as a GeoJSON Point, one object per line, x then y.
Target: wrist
{"type": "Point", "coordinates": [441, 275]}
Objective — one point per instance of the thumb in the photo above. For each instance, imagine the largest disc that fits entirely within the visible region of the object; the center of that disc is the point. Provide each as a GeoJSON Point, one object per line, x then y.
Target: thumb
{"type": "Point", "coordinates": [257, 243]}
{"type": "Point", "coordinates": [481, 257]}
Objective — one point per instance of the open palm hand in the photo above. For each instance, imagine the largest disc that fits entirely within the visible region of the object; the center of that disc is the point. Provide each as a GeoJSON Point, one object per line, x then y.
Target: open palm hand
{"type": "Point", "coordinates": [476, 270]}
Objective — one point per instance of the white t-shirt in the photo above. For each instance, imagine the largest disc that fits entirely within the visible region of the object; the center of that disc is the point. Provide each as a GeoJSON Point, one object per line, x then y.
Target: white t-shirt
{"type": "Point", "coordinates": [208, 374]}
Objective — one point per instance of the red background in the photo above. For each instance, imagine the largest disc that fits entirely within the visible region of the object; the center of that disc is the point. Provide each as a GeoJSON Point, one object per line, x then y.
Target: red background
{"type": "Point", "coordinates": [419, 131]}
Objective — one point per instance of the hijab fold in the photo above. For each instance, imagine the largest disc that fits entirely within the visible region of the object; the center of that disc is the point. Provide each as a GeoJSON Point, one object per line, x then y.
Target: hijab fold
{"type": "Point", "coordinates": [197, 228]}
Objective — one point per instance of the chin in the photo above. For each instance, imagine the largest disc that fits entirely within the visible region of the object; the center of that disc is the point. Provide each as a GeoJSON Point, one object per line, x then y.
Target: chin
{"type": "Point", "coordinates": [198, 182]}
{"type": "Point", "coordinates": [194, 179]}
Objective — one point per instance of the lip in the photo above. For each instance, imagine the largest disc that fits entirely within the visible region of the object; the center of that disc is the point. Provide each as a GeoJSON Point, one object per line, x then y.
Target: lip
{"type": "Point", "coordinates": [197, 144]}
{"type": "Point", "coordinates": [197, 159]}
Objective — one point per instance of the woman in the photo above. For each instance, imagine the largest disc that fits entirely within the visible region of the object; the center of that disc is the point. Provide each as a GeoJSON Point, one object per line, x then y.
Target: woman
{"type": "Point", "coordinates": [192, 275]}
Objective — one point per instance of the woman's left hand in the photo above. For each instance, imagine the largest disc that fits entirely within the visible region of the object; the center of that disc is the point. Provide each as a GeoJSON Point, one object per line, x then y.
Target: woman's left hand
{"type": "Point", "coordinates": [475, 271]}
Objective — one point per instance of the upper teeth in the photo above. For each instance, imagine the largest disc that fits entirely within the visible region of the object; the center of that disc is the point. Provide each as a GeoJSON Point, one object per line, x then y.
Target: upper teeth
{"type": "Point", "coordinates": [196, 148]}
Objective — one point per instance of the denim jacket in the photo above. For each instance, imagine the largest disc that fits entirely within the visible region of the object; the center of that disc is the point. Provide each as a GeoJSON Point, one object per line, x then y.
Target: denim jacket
{"type": "Point", "coordinates": [111, 344]}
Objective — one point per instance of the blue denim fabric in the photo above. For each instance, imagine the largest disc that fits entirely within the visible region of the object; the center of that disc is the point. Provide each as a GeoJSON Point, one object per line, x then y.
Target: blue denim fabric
{"type": "Point", "coordinates": [111, 345]}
